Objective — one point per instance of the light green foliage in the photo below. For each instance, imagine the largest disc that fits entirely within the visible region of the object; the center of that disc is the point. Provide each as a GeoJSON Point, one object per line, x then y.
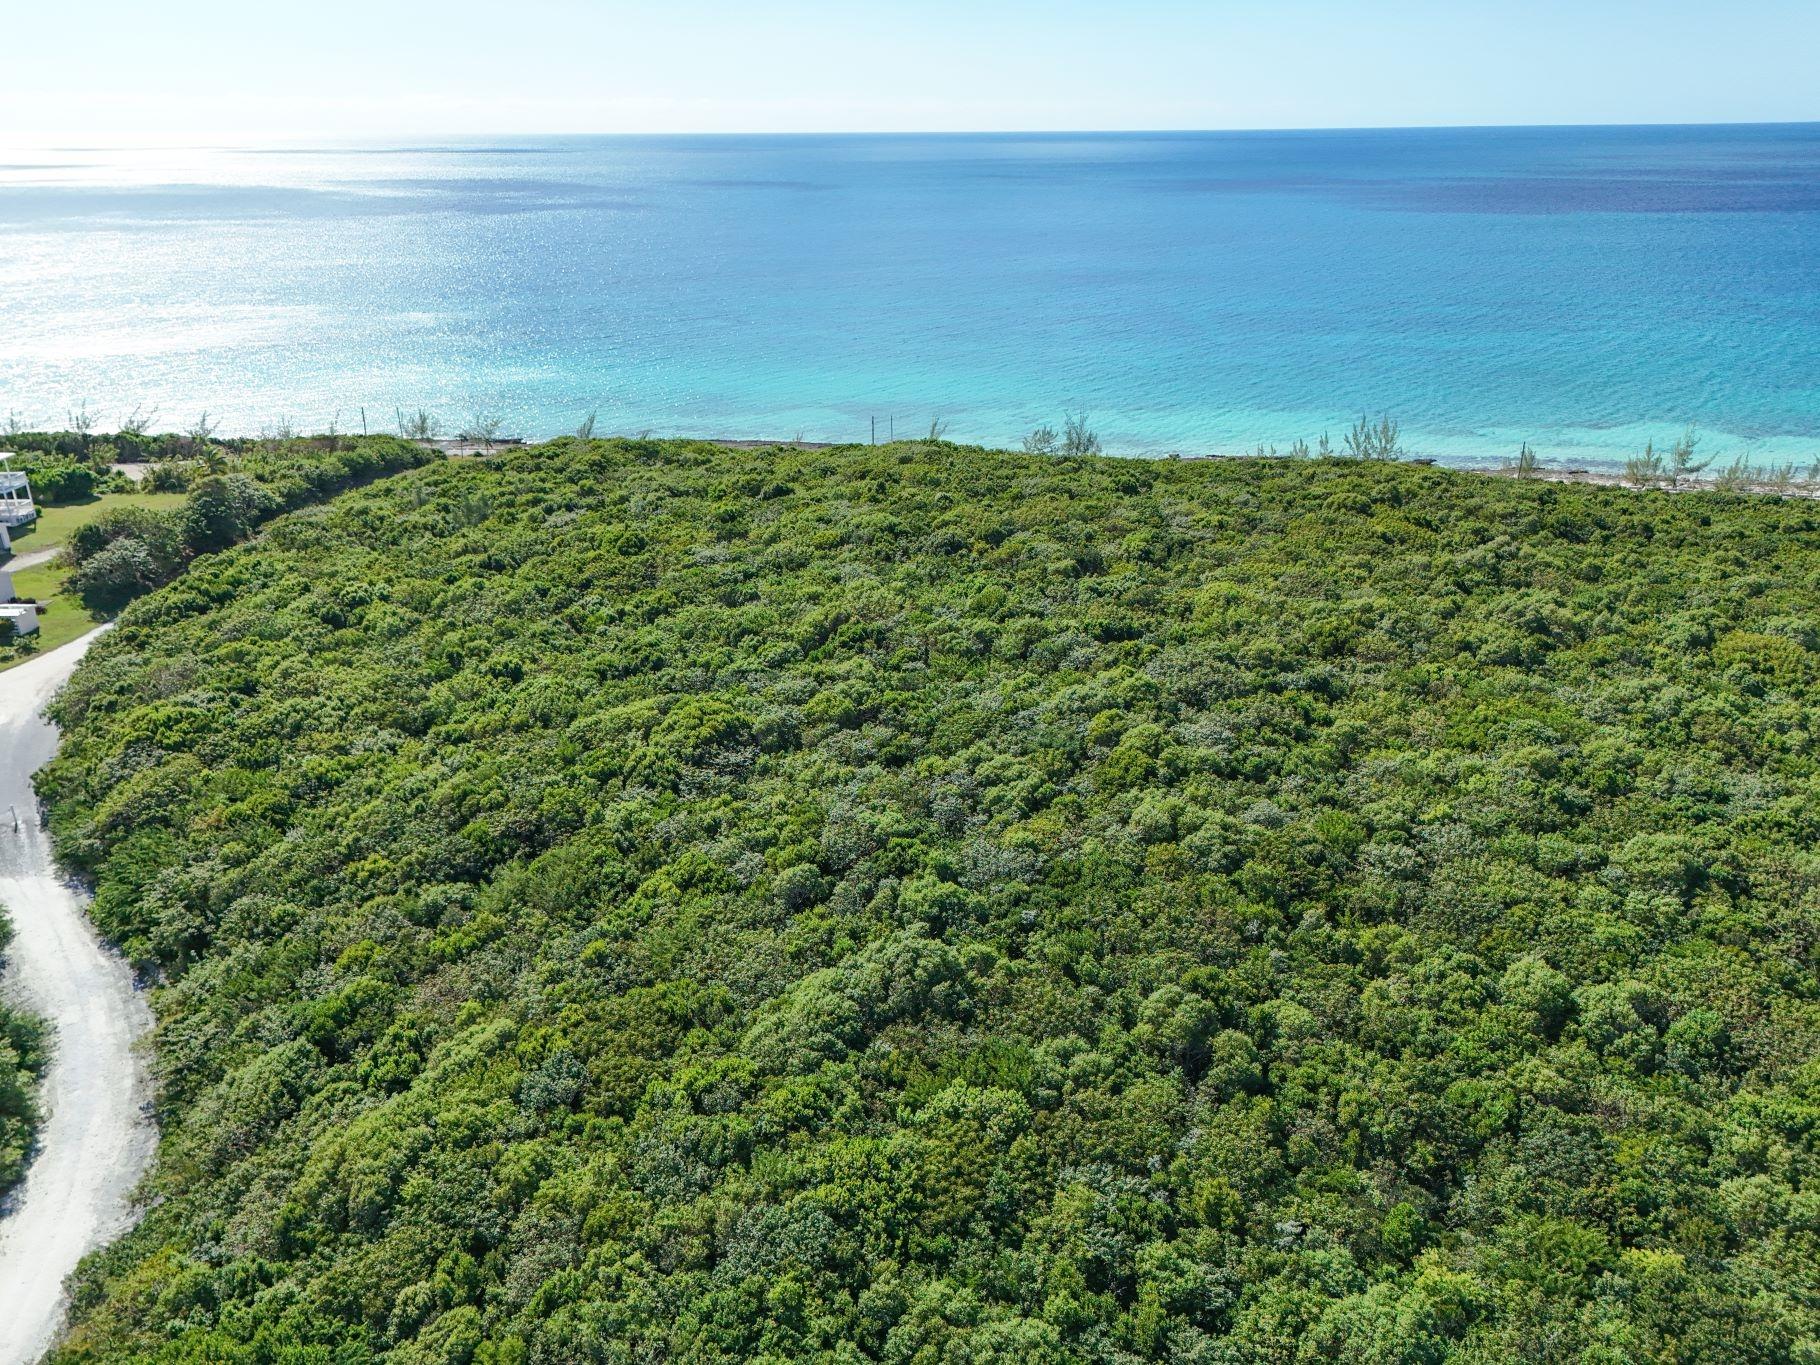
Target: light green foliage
{"type": "Point", "coordinates": [1682, 462]}
{"type": "Point", "coordinates": [1526, 465]}
{"type": "Point", "coordinates": [642, 902]}
{"type": "Point", "coordinates": [1041, 440]}
{"type": "Point", "coordinates": [1641, 471]}
{"type": "Point", "coordinates": [1380, 442]}
{"type": "Point", "coordinates": [1077, 437]}
{"type": "Point", "coordinates": [62, 472]}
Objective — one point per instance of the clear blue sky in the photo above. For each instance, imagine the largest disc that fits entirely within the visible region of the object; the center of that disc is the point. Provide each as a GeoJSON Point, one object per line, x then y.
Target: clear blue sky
{"type": "Point", "coordinates": [230, 70]}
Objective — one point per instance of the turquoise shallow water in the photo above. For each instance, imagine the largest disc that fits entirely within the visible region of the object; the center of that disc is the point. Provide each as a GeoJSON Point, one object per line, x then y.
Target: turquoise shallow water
{"type": "Point", "coordinates": [1582, 289]}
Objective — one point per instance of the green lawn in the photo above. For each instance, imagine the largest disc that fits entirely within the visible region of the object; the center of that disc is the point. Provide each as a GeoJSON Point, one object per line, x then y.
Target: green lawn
{"type": "Point", "coordinates": [55, 525]}
{"type": "Point", "coordinates": [61, 616]}
{"type": "Point", "coordinates": [40, 582]}
{"type": "Point", "coordinates": [60, 619]}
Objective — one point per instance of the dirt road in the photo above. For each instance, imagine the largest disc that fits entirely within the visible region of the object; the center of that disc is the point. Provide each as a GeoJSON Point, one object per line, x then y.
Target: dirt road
{"type": "Point", "coordinates": [97, 1137]}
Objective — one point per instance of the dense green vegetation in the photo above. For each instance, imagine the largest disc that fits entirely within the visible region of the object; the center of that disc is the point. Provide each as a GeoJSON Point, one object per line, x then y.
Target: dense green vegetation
{"type": "Point", "coordinates": [62, 615]}
{"type": "Point", "coordinates": [133, 542]}
{"type": "Point", "coordinates": [131, 550]}
{"type": "Point", "coordinates": [58, 482]}
{"type": "Point", "coordinates": [637, 902]}
{"type": "Point", "coordinates": [82, 443]}
{"type": "Point", "coordinates": [121, 544]}
{"type": "Point", "coordinates": [21, 1064]}
{"type": "Point", "coordinates": [73, 465]}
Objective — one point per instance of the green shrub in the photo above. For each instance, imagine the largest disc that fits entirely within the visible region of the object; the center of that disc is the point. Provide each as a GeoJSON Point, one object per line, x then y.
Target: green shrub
{"type": "Point", "coordinates": [55, 482]}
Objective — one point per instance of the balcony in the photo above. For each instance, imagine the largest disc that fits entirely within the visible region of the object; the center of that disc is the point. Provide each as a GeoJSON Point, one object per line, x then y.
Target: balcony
{"type": "Point", "coordinates": [16, 506]}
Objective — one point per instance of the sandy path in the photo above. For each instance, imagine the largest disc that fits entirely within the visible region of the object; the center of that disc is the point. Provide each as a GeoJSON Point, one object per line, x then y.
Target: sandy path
{"type": "Point", "coordinates": [32, 559]}
{"type": "Point", "coordinates": [97, 1137]}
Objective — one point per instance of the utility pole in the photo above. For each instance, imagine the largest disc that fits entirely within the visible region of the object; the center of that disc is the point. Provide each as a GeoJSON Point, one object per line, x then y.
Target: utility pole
{"type": "Point", "coordinates": [875, 430]}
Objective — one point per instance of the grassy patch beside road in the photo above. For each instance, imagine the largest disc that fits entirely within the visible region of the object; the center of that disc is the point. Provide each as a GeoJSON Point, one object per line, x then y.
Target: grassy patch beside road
{"type": "Point", "coordinates": [61, 614]}
{"type": "Point", "coordinates": [55, 525]}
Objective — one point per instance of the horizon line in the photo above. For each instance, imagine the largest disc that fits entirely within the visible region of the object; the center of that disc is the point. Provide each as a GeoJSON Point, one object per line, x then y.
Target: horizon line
{"type": "Point", "coordinates": [294, 141]}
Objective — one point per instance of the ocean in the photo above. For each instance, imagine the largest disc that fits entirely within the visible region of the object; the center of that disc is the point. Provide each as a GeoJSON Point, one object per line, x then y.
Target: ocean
{"type": "Point", "coordinates": [1581, 289]}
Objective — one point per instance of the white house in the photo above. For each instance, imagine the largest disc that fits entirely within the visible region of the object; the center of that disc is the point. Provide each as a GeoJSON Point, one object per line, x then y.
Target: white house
{"type": "Point", "coordinates": [23, 615]}
{"type": "Point", "coordinates": [16, 505]}
{"type": "Point", "coordinates": [6, 585]}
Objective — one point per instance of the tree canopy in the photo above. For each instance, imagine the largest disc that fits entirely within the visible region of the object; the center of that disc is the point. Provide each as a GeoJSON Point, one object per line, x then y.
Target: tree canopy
{"type": "Point", "coordinates": [632, 901]}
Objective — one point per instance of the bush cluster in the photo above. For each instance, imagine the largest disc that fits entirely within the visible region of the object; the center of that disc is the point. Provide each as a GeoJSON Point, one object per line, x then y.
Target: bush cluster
{"type": "Point", "coordinates": [128, 551]}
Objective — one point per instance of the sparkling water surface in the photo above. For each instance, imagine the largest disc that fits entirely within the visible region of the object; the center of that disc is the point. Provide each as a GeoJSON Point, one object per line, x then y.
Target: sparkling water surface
{"type": "Point", "coordinates": [1581, 289]}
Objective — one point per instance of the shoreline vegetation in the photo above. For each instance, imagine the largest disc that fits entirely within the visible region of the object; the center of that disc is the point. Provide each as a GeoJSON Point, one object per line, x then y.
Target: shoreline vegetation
{"type": "Point", "coordinates": [155, 459]}
{"type": "Point", "coordinates": [99, 487]}
{"type": "Point", "coordinates": [636, 899]}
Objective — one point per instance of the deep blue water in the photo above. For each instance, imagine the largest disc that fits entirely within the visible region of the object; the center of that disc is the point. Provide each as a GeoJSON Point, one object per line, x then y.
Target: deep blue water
{"type": "Point", "coordinates": [1582, 289]}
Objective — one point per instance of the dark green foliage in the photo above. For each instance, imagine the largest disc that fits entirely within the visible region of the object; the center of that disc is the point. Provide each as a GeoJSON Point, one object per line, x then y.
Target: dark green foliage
{"type": "Point", "coordinates": [124, 554]}
{"type": "Point", "coordinates": [128, 552]}
{"type": "Point", "coordinates": [132, 444]}
{"type": "Point", "coordinates": [60, 477]}
{"type": "Point", "coordinates": [168, 476]}
{"type": "Point", "coordinates": [62, 481]}
{"type": "Point", "coordinates": [642, 902]}
{"type": "Point", "coordinates": [223, 510]}
{"type": "Point", "coordinates": [21, 1063]}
